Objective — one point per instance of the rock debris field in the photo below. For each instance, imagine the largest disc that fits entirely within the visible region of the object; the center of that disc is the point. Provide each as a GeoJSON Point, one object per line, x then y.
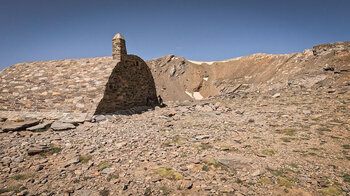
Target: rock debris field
{"type": "Point", "coordinates": [292, 143]}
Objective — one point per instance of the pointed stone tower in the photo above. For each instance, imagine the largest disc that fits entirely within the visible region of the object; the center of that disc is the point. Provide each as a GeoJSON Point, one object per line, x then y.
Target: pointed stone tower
{"type": "Point", "coordinates": [130, 84]}
{"type": "Point", "coordinates": [118, 47]}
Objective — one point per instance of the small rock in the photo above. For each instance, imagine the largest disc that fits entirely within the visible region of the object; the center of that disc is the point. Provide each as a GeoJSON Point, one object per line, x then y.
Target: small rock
{"type": "Point", "coordinates": [39, 167]}
{"type": "Point", "coordinates": [172, 71]}
{"type": "Point", "coordinates": [107, 170]}
{"type": "Point", "coordinates": [331, 91]}
{"type": "Point", "coordinates": [226, 189]}
{"type": "Point", "coordinates": [86, 193]}
{"type": "Point", "coordinates": [115, 181]}
{"type": "Point", "coordinates": [121, 144]}
{"type": "Point", "coordinates": [184, 103]}
{"type": "Point", "coordinates": [185, 110]}
{"type": "Point", "coordinates": [235, 162]}
{"type": "Point", "coordinates": [212, 106]}
{"type": "Point", "coordinates": [202, 137]}
{"type": "Point", "coordinates": [43, 181]}
{"type": "Point", "coordinates": [276, 95]}
{"type": "Point", "coordinates": [169, 113]}
{"type": "Point", "coordinates": [196, 161]}
{"type": "Point", "coordinates": [99, 118]}
{"type": "Point", "coordinates": [217, 104]}
{"type": "Point", "coordinates": [23, 193]}
{"type": "Point", "coordinates": [156, 179]}
{"type": "Point", "coordinates": [307, 112]}
{"type": "Point", "coordinates": [256, 173]}
{"type": "Point", "coordinates": [239, 112]}
{"type": "Point", "coordinates": [206, 108]}
{"type": "Point", "coordinates": [198, 108]}
{"type": "Point", "coordinates": [74, 160]}
{"type": "Point", "coordinates": [328, 69]}
{"type": "Point", "coordinates": [187, 184]}
{"type": "Point", "coordinates": [125, 186]}
{"type": "Point", "coordinates": [33, 150]}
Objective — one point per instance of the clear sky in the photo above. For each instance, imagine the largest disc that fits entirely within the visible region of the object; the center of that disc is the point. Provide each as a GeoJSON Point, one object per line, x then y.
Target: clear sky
{"type": "Point", "coordinates": [33, 30]}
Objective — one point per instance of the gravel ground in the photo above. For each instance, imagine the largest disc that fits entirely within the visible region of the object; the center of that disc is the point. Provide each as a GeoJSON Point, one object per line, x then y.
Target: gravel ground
{"type": "Point", "coordinates": [297, 143]}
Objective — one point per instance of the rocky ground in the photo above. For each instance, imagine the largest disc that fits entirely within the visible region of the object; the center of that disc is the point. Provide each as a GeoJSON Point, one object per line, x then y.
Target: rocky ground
{"type": "Point", "coordinates": [292, 143]}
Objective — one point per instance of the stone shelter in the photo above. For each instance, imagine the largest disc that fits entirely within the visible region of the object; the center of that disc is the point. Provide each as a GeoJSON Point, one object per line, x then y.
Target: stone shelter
{"type": "Point", "coordinates": [93, 86]}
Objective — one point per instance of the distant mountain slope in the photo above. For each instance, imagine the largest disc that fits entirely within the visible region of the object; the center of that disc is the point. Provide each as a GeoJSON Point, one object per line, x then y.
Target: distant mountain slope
{"type": "Point", "coordinates": [325, 65]}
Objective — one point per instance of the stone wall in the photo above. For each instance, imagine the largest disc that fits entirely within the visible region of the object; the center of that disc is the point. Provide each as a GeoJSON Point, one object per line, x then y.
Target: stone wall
{"type": "Point", "coordinates": [130, 84]}
{"type": "Point", "coordinates": [77, 85]}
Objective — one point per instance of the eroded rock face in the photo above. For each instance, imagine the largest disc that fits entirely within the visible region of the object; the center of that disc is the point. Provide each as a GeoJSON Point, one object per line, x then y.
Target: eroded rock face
{"type": "Point", "coordinates": [333, 48]}
{"type": "Point", "coordinates": [180, 79]}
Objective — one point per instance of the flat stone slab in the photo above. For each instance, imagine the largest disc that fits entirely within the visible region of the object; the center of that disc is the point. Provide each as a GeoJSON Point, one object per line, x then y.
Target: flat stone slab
{"type": "Point", "coordinates": [39, 127]}
{"type": "Point", "coordinates": [18, 126]}
{"type": "Point", "coordinates": [53, 115]}
{"type": "Point", "coordinates": [61, 126]}
{"type": "Point", "coordinates": [74, 119]}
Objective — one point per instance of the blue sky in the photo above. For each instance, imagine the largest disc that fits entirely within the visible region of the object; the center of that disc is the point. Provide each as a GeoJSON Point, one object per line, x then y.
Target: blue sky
{"type": "Point", "coordinates": [35, 30]}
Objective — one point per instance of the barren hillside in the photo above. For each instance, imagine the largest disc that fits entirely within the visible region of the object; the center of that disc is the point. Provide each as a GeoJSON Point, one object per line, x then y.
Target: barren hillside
{"type": "Point", "coordinates": [326, 65]}
{"type": "Point", "coordinates": [256, 125]}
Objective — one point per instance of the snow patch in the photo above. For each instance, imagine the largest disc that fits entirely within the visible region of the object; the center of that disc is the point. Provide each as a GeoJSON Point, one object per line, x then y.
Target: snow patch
{"type": "Point", "coordinates": [194, 95]}
{"type": "Point", "coordinates": [189, 94]}
{"type": "Point", "coordinates": [197, 96]}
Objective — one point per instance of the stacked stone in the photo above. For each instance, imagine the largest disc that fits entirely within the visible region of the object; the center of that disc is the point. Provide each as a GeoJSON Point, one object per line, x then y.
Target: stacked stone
{"type": "Point", "coordinates": [130, 84]}
{"type": "Point", "coordinates": [78, 85]}
{"type": "Point", "coordinates": [118, 47]}
{"type": "Point", "coordinates": [63, 85]}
